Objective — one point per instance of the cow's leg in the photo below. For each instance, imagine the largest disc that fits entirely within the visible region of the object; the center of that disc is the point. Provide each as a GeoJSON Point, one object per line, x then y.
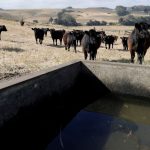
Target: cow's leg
{"type": "Point", "coordinates": [109, 46]}
{"type": "Point", "coordinates": [105, 45]}
{"type": "Point", "coordinates": [85, 54]}
{"type": "Point", "coordinates": [53, 41]}
{"type": "Point", "coordinates": [80, 42]}
{"type": "Point", "coordinates": [36, 40]}
{"type": "Point", "coordinates": [90, 56]}
{"type": "Point", "coordinates": [0, 35]}
{"type": "Point", "coordinates": [93, 55]}
{"type": "Point", "coordinates": [40, 41]}
{"type": "Point", "coordinates": [140, 57]}
{"type": "Point", "coordinates": [112, 45]}
{"type": "Point", "coordinates": [56, 41]}
{"type": "Point", "coordinates": [69, 46]}
{"type": "Point", "coordinates": [65, 46]}
{"type": "Point", "coordinates": [60, 41]}
{"type": "Point", "coordinates": [74, 43]}
{"type": "Point", "coordinates": [132, 52]}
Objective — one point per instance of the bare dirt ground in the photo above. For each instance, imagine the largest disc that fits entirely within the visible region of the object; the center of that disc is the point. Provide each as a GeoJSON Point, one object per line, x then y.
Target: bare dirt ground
{"type": "Point", "coordinates": [19, 53]}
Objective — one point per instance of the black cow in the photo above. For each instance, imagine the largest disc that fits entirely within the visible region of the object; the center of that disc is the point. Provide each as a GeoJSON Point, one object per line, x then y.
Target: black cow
{"type": "Point", "coordinates": [102, 35]}
{"type": "Point", "coordinates": [57, 34]}
{"type": "Point", "coordinates": [124, 42]}
{"type": "Point", "coordinates": [79, 35]}
{"type": "Point", "coordinates": [90, 43]}
{"type": "Point", "coordinates": [2, 28]}
{"type": "Point", "coordinates": [139, 41]}
{"type": "Point", "coordinates": [39, 34]}
{"type": "Point", "coordinates": [109, 40]}
{"type": "Point", "coordinates": [69, 39]}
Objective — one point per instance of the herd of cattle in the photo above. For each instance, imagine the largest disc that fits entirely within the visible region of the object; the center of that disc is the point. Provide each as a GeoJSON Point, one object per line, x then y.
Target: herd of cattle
{"type": "Point", "coordinates": [138, 41]}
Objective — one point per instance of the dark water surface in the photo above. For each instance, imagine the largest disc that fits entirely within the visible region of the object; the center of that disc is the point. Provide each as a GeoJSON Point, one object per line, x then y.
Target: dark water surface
{"type": "Point", "coordinates": [108, 124]}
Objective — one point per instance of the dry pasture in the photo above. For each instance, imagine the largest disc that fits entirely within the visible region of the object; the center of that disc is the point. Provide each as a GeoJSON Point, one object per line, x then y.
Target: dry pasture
{"type": "Point", "coordinates": [19, 53]}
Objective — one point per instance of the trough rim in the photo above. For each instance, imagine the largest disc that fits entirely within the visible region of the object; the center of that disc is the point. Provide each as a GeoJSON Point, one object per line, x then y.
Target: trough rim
{"type": "Point", "coordinates": [13, 81]}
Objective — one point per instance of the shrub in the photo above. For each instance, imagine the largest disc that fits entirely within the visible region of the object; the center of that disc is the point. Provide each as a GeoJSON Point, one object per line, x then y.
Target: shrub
{"type": "Point", "coordinates": [121, 11]}
{"type": "Point", "coordinates": [131, 20]}
{"type": "Point", "coordinates": [96, 23]}
{"type": "Point", "coordinates": [66, 19]}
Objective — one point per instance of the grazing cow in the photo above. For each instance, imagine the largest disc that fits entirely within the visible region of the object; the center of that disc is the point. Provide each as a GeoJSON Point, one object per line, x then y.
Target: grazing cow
{"type": "Point", "coordinates": [124, 42]}
{"type": "Point", "coordinates": [109, 39]}
{"type": "Point", "coordinates": [139, 41]}
{"type": "Point", "coordinates": [79, 35]}
{"type": "Point", "coordinates": [57, 34]}
{"type": "Point", "coordinates": [69, 39]}
{"type": "Point", "coordinates": [39, 34]}
{"type": "Point", "coordinates": [90, 43]}
{"type": "Point", "coordinates": [2, 28]}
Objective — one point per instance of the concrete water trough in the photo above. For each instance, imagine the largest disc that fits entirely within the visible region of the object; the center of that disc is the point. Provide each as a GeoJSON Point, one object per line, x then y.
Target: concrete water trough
{"type": "Point", "coordinates": [34, 108]}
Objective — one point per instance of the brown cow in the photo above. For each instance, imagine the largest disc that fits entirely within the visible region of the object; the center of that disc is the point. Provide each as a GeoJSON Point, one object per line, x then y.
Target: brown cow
{"type": "Point", "coordinates": [139, 41]}
{"type": "Point", "coordinates": [69, 39]}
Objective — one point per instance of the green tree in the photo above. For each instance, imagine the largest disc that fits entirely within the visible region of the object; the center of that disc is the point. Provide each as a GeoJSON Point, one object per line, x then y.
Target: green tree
{"type": "Point", "coordinates": [66, 19]}
{"type": "Point", "coordinates": [121, 11]}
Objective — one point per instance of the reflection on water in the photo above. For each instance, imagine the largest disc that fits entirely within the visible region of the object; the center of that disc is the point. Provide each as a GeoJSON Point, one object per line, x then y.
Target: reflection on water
{"type": "Point", "coordinates": [107, 124]}
{"type": "Point", "coordinates": [130, 108]}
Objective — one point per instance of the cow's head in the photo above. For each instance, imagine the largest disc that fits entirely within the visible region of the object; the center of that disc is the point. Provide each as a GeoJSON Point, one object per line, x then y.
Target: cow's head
{"type": "Point", "coordinates": [142, 26]}
{"type": "Point", "coordinates": [3, 28]}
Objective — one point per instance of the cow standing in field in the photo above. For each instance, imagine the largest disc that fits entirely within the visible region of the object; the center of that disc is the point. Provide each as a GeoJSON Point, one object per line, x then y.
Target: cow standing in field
{"type": "Point", "coordinates": [2, 28]}
{"type": "Point", "coordinates": [39, 34]}
{"type": "Point", "coordinates": [79, 35]}
{"type": "Point", "coordinates": [69, 39]}
{"type": "Point", "coordinates": [102, 35]}
{"type": "Point", "coordinates": [57, 34]}
{"type": "Point", "coordinates": [90, 43]}
{"type": "Point", "coordinates": [139, 41]}
{"type": "Point", "coordinates": [109, 40]}
{"type": "Point", "coordinates": [124, 42]}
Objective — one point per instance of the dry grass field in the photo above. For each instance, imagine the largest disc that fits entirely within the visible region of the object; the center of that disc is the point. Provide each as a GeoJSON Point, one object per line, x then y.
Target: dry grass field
{"type": "Point", "coordinates": [19, 53]}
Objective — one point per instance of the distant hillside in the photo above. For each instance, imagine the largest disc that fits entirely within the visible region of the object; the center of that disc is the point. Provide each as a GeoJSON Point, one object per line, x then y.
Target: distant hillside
{"type": "Point", "coordinates": [82, 15]}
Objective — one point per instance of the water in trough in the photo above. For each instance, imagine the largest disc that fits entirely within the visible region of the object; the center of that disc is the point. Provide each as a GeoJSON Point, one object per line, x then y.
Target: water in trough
{"type": "Point", "coordinates": [110, 123]}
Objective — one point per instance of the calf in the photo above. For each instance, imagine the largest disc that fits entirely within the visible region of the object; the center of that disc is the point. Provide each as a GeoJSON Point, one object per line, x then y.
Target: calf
{"type": "Point", "coordinates": [2, 28]}
{"type": "Point", "coordinates": [124, 42]}
{"type": "Point", "coordinates": [39, 34]}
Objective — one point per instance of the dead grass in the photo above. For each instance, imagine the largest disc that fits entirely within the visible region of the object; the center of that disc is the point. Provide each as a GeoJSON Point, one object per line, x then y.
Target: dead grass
{"type": "Point", "coordinates": [19, 53]}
